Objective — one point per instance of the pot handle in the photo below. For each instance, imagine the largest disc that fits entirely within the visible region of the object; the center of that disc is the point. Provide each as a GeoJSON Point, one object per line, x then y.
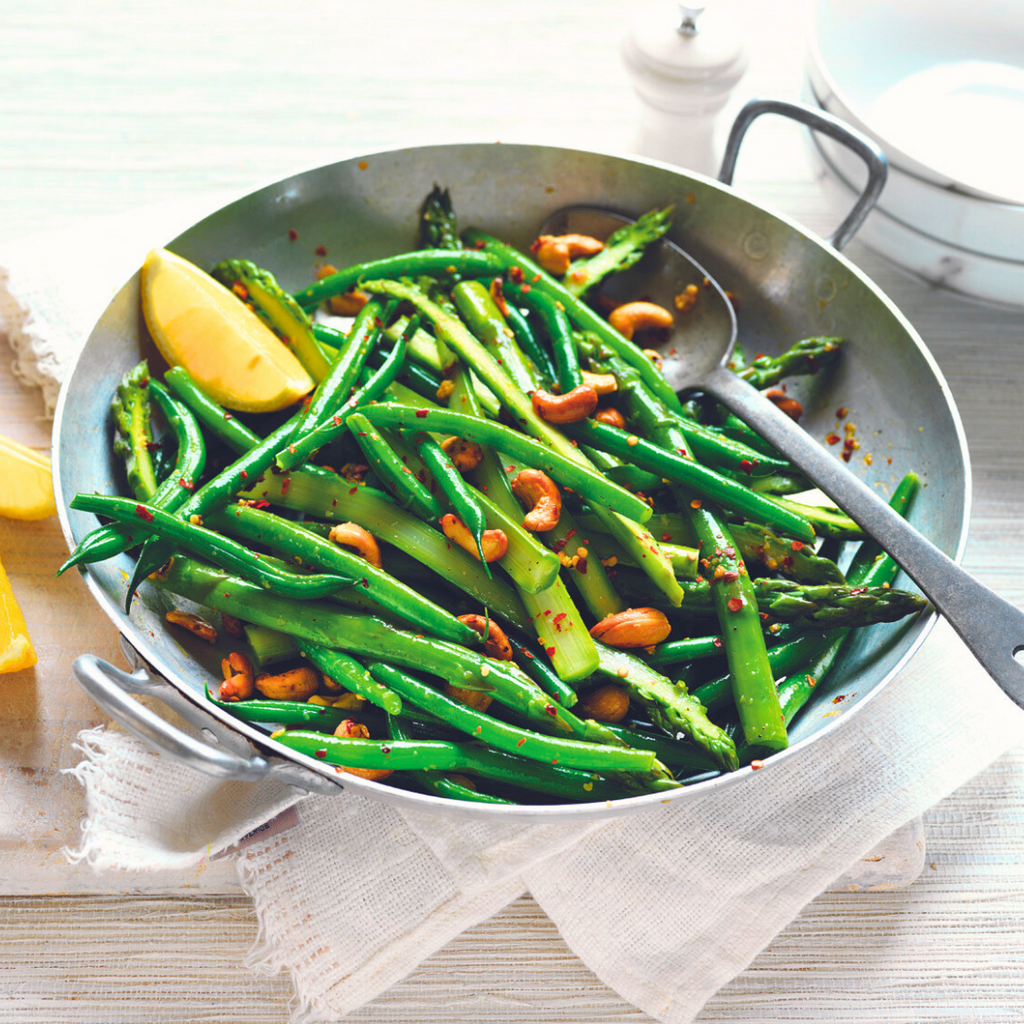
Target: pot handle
{"type": "Point", "coordinates": [821, 121]}
{"type": "Point", "coordinates": [109, 687]}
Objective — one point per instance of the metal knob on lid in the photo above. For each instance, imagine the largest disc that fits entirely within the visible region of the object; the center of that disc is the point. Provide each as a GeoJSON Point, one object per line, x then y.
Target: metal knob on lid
{"type": "Point", "coordinates": [684, 61]}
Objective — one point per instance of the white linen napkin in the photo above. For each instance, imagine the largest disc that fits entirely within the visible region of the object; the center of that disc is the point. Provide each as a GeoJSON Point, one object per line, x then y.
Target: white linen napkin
{"type": "Point", "coordinates": [664, 906]}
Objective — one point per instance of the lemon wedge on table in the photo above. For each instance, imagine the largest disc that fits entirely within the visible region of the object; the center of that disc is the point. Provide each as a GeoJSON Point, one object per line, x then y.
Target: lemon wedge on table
{"type": "Point", "coordinates": [199, 324]}
{"type": "Point", "coordinates": [26, 483]}
{"type": "Point", "coordinates": [16, 650]}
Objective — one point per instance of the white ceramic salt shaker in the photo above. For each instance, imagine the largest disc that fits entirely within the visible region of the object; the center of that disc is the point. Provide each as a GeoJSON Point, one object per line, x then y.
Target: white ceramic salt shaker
{"type": "Point", "coordinates": [684, 61]}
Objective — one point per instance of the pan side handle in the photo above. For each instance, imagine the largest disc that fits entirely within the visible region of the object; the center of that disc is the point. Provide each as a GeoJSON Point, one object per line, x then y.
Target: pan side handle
{"type": "Point", "coordinates": [818, 120]}
{"type": "Point", "coordinates": [110, 687]}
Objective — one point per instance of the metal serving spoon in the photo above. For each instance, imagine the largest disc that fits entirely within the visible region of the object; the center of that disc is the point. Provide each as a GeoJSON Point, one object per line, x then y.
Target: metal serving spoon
{"type": "Point", "coordinates": [696, 359]}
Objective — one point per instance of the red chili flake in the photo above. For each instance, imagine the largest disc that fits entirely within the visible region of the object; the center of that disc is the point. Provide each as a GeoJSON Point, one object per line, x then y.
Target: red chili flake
{"type": "Point", "coordinates": [666, 537]}
{"type": "Point", "coordinates": [718, 641]}
{"type": "Point", "coordinates": [421, 414]}
{"type": "Point", "coordinates": [558, 618]}
{"type": "Point", "coordinates": [839, 699]}
{"type": "Point", "coordinates": [551, 651]}
{"type": "Point", "coordinates": [841, 412]}
{"type": "Point", "coordinates": [526, 654]}
{"type": "Point", "coordinates": [551, 709]}
{"type": "Point", "coordinates": [321, 250]}
{"type": "Point", "coordinates": [515, 275]}
{"type": "Point", "coordinates": [569, 536]}
{"type": "Point", "coordinates": [735, 604]}
{"type": "Point", "coordinates": [366, 583]}
{"type": "Point", "coordinates": [285, 484]}
{"type": "Point", "coordinates": [243, 474]}
{"type": "Point", "coordinates": [524, 288]}
{"type": "Point", "coordinates": [228, 416]}
{"type": "Point", "coordinates": [143, 513]}
{"type": "Point", "coordinates": [384, 749]}
{"type": "Point", "coordinates": [757, 765]}
{"type": "Point", "coordinates": [833, 439]}
{"type": "Point", "coordinates": [811, 681]}
{"type": "Point", "coordinates": [695, 503]}
{"type": "Point", "coordinates": [187, 484]}
{"type": "Point", "coordinates": [798, 545]}
{"type": "Point", "coordinates": [320, 753]}
{"type": "Point", "coordinates": [292, 234]}
{"type": "Point", "coordinates": [730, 577]}
{"type": "Point", "coordinates": [858, 590]}
{"type": "Point", "coordinates": [520, 741]}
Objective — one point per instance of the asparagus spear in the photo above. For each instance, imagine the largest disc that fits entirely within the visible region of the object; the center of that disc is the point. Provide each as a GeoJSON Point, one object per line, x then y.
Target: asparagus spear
{"type": "Point", "coordinates": [621, 250]}
{"type": "Point", "coordinates": [804, 357]}
{"type": "Point", "coordinates": [131, 411]}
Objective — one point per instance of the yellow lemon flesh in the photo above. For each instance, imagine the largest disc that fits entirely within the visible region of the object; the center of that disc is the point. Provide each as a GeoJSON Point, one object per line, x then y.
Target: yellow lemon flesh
{"type": "Point", "coordinates": [26, 483]}
{"type": "Point", "coordinates": [16, 651]}
{"type": "Point", "coordinates": [231, 354]}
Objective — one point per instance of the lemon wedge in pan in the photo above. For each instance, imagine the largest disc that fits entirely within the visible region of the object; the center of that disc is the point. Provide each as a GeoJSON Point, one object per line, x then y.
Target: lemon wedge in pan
{"type": "Point", "coordinates": [26, 482]}
{"type": "Point", "coordinates": [199, 324]}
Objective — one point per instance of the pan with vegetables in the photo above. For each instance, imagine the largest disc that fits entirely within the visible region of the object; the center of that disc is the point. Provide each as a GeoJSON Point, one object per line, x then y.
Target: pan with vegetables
{"type": "Point", "coordinates": [457, 544]}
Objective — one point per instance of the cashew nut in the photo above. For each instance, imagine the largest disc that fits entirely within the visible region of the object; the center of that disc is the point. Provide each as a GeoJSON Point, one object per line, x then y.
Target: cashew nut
{"type": "Point", "coordinates": [351, 535]}
{"type": "Point", "coordinates": [496, 644]}
{"type": "Point", "coordinates": [571, 407]}
{"type": "Point", "coordinates": [634, 627]}
{"type": "Point", "coordinates": [465, 455]}
{"type": "Point", "coordinates": [476, 699]}
{"type": "Point", "coordinates": [348, 304]}
{"type": "Point", "coordinates": [194, 624]}
{"type": "Point", "coordinates": [493, 542]}
{"type": "Point", "coordinates": [608, 703]}
{"type": "Point", "coordinates": [295, 684]}
{"type": "Point", "coordinates": [610, 415]}
{"type": "Point", "coordinates": [790, 406]}
{"type": "Point", "coordinates": [555, 252]}
{"type": "Point", "coordinates": [541, 496]}
{"type": "Point", "coordinates": [232, 626]}
{"type": "Point", "coordinates": [602, 383]}
{"type": "Point", "coordinates": [639, 316]}
{"type": "Point", "coordinates": [351, 729]}
{"type": "Point", "coordinates": [238, 677]}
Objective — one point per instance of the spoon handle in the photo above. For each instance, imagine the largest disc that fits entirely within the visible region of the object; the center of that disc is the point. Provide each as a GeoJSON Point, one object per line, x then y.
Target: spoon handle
{"type": "Point", "coordinates": [992, 629]}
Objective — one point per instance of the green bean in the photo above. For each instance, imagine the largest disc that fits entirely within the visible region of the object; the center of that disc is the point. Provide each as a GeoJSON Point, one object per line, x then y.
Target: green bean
{"type": "Point", "coordinates": [272, 531]}
{"type": "Point", "coordinates": [410, 493]}
{"type": "Point", "coordinates": [112, 539]}
{"type": "Point", "coordinates": [235, 434]}
{"type": "Point", "coordinates": [559, 330]}
{"type": "Point", "coordinates": [531, 348]}
{"type": "Point", "coordinates": [285, 712]}
{"type": "Point", "coordinates": [208, 544]}
{"type": "Point", "coordinates": [333, 389]}
{"type": "Point", "coordinates": [349, 673]}
{"type": "Point", "coordinates": [510, 738]}
{"type": "Point", "coordinates": [713, 486]}
{"type": "Point", "coordinates": [303, 447]}
{"type": "Point", "coordinates": [465, 262]}
{"type": "Point", "coordinates": [568, 472]}
{"type": "Point", "coordinates": [671, 652]}
{"type": "Point", "coordinates": [537, 667]}
{"type": "Point", "coordinates": [323, 494]}
{"type": "Point", "coordinates": [440, 785]}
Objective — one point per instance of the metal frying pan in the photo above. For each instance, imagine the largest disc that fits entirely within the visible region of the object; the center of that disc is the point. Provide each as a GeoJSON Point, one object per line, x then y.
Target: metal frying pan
{"type": "Point", "coordinates": [789, 283]}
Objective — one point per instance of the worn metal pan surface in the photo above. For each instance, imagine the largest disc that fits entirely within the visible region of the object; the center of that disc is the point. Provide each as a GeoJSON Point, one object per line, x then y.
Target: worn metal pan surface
{"type": "Point", "coordinates": [790, 284]}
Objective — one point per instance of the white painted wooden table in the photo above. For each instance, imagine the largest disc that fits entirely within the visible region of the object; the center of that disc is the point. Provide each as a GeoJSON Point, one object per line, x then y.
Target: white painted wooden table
{"type": "Point", "coordinates": [115, 105]}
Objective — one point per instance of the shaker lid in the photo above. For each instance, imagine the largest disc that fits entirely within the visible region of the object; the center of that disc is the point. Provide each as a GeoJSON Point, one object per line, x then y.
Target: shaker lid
{"type": "Point", "coordinates": [696, 43]}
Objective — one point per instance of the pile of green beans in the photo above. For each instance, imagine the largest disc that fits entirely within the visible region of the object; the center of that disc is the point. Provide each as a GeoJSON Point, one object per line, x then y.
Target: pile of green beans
{"type": "Point", "coordinates": [445, 647]}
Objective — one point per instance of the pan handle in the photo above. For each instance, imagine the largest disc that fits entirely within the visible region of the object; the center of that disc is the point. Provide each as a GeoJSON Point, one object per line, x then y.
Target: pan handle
{"type": "Point", "coordinates": [819, 120]}
{"type": "Point", "coordinates": [109, 687]}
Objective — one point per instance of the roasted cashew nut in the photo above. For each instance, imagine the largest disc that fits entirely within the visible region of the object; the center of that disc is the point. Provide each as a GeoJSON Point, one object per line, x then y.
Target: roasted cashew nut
{"type": "Point", "coordinates": [194, 624]}
{"type": "Point", "coordinates": [348, 304]}
{"type": "Point", "coordinates": [465, 455]}
{"type": "Point", "coordinates": [790, 406]}
{"type": "Point", "coordinates": [555, 252]}
{"type": "Point", "coordinates": [493, 542]}
{"type": "Point", "coordinates": [238, 677]}
{"type": "Point", "coordinates": [634, 627]}
{"type": "Point", "coordinates": [639, 316]}
{"type": "Point", "coordinates": [610, 415]}
{"type": "Point", "coordinates": [295, 684]}
{"type": "Point", "coordinates": [351, 535]}
{"type": "Point", "coordinates": [571, 407]}
{"type": "Point", "coordinates": [538, 492]}
{"type": "Point", "coordinates": [608, 703]}
{"type": "Point", "coordinates": [602, 383]}
{"type": "Point", "coordinates": [496, 644]}
{"type": "Point", "coordinates": [351, 729]}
